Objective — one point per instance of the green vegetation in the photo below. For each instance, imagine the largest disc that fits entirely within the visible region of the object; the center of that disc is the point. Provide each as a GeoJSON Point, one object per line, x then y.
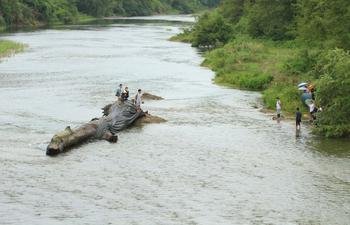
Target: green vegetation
{"type": "Point", "coordinates": [324, 23]}
{"type": "Point", "coordinates": [273, 45]}
{"type": "Point", "coordinates": [18, 13]}
{"type": "Point", "coordinates": [211, 31]}
{"type": "Point", "coordinates": [244, 63]}
{"type": "Point", "coordinates": [333, 70]}
{"type": "Point", "coordinates": [14, 13]}
{"type": "Point", "coordinates": [9, 47]}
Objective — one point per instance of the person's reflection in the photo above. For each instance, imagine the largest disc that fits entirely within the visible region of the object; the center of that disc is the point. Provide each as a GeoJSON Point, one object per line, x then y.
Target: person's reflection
{"type": "Point", "coordinates": [297, 133]}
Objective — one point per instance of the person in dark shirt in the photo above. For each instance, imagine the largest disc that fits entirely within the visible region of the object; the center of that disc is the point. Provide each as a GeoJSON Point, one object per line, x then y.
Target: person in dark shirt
{"type": "Point", "coordinates": [125, 94]}
{"type": "Point", "coordinates": [298, 116]}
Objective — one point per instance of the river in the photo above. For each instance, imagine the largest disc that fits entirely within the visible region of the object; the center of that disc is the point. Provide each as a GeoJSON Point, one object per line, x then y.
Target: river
{"type": "Point", "coordinates": [218, 159]}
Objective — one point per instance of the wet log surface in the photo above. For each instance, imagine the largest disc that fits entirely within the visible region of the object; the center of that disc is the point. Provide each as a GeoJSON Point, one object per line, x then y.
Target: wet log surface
{"type": "Point", "coordinates": [148, 96]}
{"type": "Point", "coordinates": [116, 117]}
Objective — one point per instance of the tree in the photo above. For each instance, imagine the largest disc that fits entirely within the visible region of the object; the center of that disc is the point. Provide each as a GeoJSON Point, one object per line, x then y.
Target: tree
{"type": "Point", "coordinates": [333, 91]}
{"type": "Point", "coordinates": [210, 3]}
{"type": "Point", "coordinates": [15, 13]}
{"type": "Point", "coordinates": [325, 22]}
{"type": "Point", "coordinates": [52, 11]}
{"type": "Point", "coordinates": [271, 18]}
{"type": "Point", "coordinates": [95, 7]}
{"type": "Point", "coordinates": [232, 9]}
{"type": "Point", "coordinates": [211, 30]}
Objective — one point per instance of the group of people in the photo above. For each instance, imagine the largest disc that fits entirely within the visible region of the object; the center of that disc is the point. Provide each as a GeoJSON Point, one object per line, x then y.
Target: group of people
{"type": "Point", "coordinates": [308, 98]}
{"type": "Point", "coordinates": [123, 95]}
{"type": "Point", "coordinates": [309, 90]}
{"type": "Point", "coordinates": [298, 115]}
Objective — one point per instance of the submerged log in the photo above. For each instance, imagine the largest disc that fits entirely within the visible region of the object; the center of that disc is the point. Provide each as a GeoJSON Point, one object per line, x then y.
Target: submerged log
{"type": "Point", "coordinates": [148, 118]}
{"type": "Point", "coordinates": [116, 117]}
{"type": "Point", "coordinates": [148, 96]}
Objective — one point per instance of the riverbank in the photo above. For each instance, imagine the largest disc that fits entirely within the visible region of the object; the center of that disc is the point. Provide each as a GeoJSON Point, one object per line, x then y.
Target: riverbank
{"type": "Point", "coordinates": [274, 52]}
{"type": "Point", "coordinates": [258, 65]}
{"type": "Point", "coordinates": [8, 48]}
{"type": "Point", "coordinates": [276, 68]}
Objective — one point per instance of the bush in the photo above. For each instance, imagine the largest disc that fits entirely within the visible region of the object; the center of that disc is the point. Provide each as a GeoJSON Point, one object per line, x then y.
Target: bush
{"type": "Point", "coordinates": [233, 10]}
{"type": "Point", "coordinates": [16, 13]}
{"type": "Point", "coordinates": [238, 64]}
{"type": "Point", "coordinates": [289, 95]}
{"type": "Point", "coordinates": [95, 7]}
{"type": "Point", "coordinates": [234, 54]}
{"type": "Point", "coordinates": [183, 6]}
{"type": "Point", "coordinates": [211, 30]}
{"type": "Point", "coordinates": [29, 12]}
{"type": "Point", "coordinates": [185, 36]}
{"type": "Point", "coordinates": [53, 11]}
{"type": "Point", "coordinates": [304, 61]}
{"type": "Point", "coordinates": [271, 18]}
{"type": "Point", "coordinates": [9, 47]}
{"type": "Point", "coordinates": [333, 91]}
{"type": "Point", "coordinates": [245, 80]}
{"type": "Point", "coordinates": [324, 23]}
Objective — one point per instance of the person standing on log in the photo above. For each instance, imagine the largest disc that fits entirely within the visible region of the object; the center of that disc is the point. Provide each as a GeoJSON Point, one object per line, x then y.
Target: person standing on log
{"type": "Point", "coordinates": [119, 91]}
{"type": "Point", "coordinates": [138, 100]}
{"type": "Point", "coordinates": [125, 94]}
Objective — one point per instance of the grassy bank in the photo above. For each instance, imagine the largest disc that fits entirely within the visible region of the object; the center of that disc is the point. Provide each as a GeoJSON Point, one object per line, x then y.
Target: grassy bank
{"type": "Point", "coordinates": [273, 45]}
{"type": "Point", "coordinates": [8, 48]}
{"type": "Point", "coordinates": [276, 68]}
{"type": "Point", "coordinates": [252, 64]}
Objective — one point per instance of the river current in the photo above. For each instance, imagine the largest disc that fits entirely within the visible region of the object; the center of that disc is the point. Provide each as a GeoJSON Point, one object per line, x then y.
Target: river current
{"type": "Point", "coordinates": [218, 159]}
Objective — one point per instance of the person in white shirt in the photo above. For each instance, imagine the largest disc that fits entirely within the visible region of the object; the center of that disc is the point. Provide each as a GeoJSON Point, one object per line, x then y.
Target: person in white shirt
{"type": "Point", "coordinates": [313, 111]}
{"type": "Point", "coordinates": [278, 108]}
{"type": "Point", "coordinates": [138, 100]}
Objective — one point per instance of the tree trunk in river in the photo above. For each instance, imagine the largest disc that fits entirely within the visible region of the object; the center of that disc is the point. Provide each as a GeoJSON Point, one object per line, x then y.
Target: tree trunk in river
{"type": "Point", "coordinates": [116, 117]}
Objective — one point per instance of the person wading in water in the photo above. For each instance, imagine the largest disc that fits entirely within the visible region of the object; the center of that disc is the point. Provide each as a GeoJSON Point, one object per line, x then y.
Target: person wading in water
{"type": "Point", "coordinates": [298, 116]}
{"type": "Point", "coordinates": [278, 109]}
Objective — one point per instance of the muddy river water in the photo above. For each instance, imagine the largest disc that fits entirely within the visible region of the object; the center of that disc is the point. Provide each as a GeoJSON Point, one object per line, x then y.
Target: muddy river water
{"type": "Point", "coordinates": [218, 159]}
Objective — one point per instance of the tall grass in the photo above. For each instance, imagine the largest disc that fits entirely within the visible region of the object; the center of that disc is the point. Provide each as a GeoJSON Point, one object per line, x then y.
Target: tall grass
{"type": "Point", "coordinates": [8, 48]}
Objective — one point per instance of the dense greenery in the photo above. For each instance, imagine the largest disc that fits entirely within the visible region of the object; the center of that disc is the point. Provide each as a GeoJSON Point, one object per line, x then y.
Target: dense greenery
{"type": "Point", "coordinates": [325, 23]}
{"type": "Point", "coordinates": [333, 69]}
{"type": "Point", "coordinates": [211, 31]}
{"type": "Point", "coordinates": [273, 45]}
{"type": "Point", "coordinates": [34, 12]}
{"type": "Point", "coordinates": [240, 64]}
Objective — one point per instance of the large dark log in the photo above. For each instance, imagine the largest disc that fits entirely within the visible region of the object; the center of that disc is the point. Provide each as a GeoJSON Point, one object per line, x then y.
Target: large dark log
{"type": "Point", "coordinates": [116, 117]}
